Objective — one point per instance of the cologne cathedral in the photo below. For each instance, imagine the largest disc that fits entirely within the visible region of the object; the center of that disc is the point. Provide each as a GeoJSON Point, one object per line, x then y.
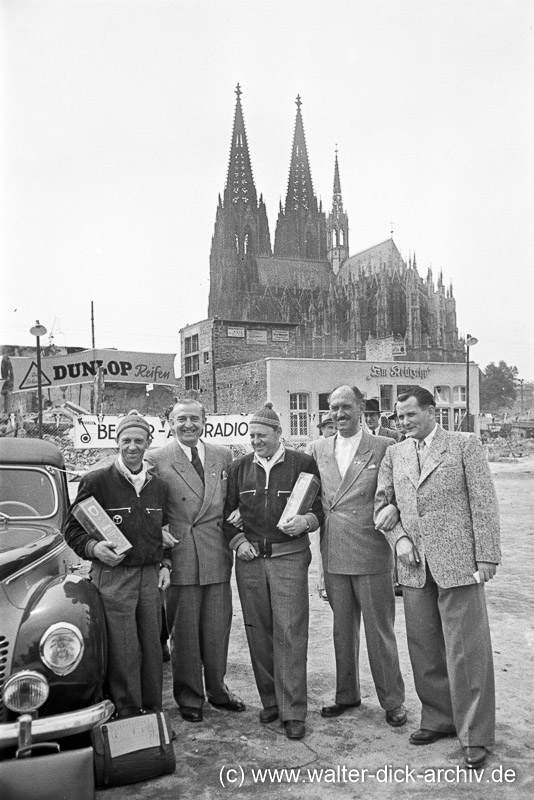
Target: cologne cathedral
{"type": "Point", "coordinates": [344, 306]}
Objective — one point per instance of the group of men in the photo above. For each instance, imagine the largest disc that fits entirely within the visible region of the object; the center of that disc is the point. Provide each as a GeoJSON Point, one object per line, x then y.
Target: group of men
{"type": "Point", "coordinates": [425, 505]}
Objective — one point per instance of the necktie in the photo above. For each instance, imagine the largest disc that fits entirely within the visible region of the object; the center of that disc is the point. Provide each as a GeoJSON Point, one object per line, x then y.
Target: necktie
{"type": "Point", "coordinates": [197, 463]}
{"type": "Point", "coordinates": [422, 452]}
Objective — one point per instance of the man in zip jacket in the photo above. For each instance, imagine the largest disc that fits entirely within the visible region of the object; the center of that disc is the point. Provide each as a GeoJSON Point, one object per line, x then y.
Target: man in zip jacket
{"type": "Point", "coordinates": [272, 568]}
{"type": "Point", "coordinates": [128, 584]}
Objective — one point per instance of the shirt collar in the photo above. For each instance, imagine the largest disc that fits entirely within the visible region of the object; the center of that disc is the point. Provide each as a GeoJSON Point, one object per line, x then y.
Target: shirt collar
{"type": "Point", "coordinates": [428, 439]}
{"type": "Point", "coordinates": [267, 463]}
{"type": "Point", "coordinates": [187, 450]}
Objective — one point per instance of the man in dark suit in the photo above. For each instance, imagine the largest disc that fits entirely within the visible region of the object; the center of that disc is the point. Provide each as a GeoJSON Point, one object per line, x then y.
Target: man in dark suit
{"type": "Point", "coordinates": [358, 568]}
{"type": "Point", "coordinates": [199, 599]}
{"type": "Point", "coordinates": [374, 422]}
{"type": "Point", "coordinates": [447, 547]}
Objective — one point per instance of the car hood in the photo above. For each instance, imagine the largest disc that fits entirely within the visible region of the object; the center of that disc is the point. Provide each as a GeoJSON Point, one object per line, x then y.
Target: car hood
{"type": "Point", "coordinates": [21, 545]}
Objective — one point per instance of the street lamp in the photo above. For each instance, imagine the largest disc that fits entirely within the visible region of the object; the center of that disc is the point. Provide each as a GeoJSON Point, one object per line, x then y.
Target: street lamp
{"type": "Point", "coordinates": [39, 330]}
{"type": "Point", "coordinates": [470, 341]}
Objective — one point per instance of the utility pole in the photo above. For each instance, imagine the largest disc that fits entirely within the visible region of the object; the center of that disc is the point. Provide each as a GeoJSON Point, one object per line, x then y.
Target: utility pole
{"type": "Point", "coordinates": [92, 325]}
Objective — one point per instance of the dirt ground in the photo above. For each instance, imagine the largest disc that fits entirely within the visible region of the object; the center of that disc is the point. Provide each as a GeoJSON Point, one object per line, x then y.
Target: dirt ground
{"type": "Point", "coordinates": [358, 753]}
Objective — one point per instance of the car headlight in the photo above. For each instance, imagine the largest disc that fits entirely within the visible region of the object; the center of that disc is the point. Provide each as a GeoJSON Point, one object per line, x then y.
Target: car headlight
{"type": "Point", "coordinates": [61, 648]}
{"type": "Point", "coordinates": [25, 691]}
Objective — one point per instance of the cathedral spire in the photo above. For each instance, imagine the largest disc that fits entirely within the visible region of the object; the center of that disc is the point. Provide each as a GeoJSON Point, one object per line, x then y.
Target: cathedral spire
{"type": "Point", "coordinates": [299, 186]}
{"type": "Point", "coordinates": [240, 190]}
{"type": "Point", "coordinates": [337, 228]}
{"type": "Point", "coordinates": [301, 226]}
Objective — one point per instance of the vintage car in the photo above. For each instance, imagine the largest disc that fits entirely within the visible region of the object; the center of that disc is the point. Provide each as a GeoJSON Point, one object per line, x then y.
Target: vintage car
{"type": "Point", "coordinates": [52, 628]}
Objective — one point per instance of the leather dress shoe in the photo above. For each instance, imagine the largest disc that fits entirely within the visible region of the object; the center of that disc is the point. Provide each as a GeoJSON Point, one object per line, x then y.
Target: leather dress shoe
{"type": "Point", "coordinates": [396, 717]}
{"type": "Point", "coordinates": [337, 709]}
{"type": "Point", "coordinates": [235, 704]}
{"type": "Point", "coordinates": [424, 736]}
{"type": "Point", "coordinates": [474, 756]}
{"type": "Point", "coordinates": [294, 728]}
{"type": "Point", "coordinates": [269, 714]}
{"type": "Point", "coordinates": [191, 714]}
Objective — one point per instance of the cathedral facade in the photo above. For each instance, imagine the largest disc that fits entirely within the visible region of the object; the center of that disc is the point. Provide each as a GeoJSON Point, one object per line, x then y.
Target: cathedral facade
{"type": "Point", "coordinates": [372, 304]}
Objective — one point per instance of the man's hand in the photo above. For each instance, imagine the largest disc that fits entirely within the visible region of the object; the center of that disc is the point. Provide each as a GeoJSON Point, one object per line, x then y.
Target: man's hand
{"type": "Point", "coordinates": [294, 526]}
{"type": "Point", "coordinates": [387, 518]}
{"type": "Point", "coordinates": [168, 539]}
{"type": "Point", "coordinates": [486, 570]}
{"type": "Point", "coordinates": [164, 578]}
{"type": "Point", "coordinates": [105, 552]}
{"type": "Point", "coordinates": [407, 552]}
{"type": "Point", "coordinates": [235, 519]}
{"type": "Point", "coordinates": [246, 551]}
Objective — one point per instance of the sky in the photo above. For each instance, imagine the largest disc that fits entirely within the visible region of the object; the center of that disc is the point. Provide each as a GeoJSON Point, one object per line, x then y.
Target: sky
{"type": "Point", "coordinates": [115, 126]}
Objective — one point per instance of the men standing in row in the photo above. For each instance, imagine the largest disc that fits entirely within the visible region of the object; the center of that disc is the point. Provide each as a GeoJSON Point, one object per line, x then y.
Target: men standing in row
{"type": "Point", "coordinates": [358, 564]}
{"type": "Point", "coordinates": [374, 423]}
{"type": "Point", "coordinates": [128, 584]}
{"type": "Point", "coordinates": [272, 568]}
{"type": "Point", "coordinates": [199, 599]}
{"type": "Point", "coordinates": [447, 547]}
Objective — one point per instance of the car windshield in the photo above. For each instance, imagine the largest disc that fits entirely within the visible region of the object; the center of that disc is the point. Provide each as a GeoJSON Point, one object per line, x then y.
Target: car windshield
{"type": "Point", "coordinates": [27, 492]}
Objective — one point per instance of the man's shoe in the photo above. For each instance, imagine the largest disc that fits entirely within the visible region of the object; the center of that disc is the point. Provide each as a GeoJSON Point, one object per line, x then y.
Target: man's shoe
{"type": "Point", "coordinates": [191, 714]}
{"type": "Point", "coordinates": [269, 714]}
{"type": "Point", "coordinates": [396, 717]}
{"type": "Point", "coordinates": [295, 728]}
{"type": "Point", "coordinates": [423, 736]}
{"type": "Point", "coordinates": [235, 704]}
{"type": "Point", "coordinates": [337, 709]}
{"type": "Point", "coordinates": [474, 756]}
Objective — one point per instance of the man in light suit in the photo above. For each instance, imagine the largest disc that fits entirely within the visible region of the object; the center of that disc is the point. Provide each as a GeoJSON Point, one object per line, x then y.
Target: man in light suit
{"type": "Point", "coordinates": [373, 421]}
{"type": "Point", "coordinates": [358, 564]}
{"type": "Point", "coordinates": [447, 547]}
{"type": "Point", "coordinates": [199, 599]}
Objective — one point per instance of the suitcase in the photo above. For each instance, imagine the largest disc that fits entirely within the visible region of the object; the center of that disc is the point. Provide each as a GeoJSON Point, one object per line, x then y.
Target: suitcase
{"type": "Point", "coordinates": [133, 749]}
{"type": "Point", "coordinates": [62, 775]}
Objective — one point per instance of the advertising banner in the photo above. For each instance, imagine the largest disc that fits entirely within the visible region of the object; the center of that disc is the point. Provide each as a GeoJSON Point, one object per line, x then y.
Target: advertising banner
{"type": "Point", "coordinates": [118, 366]}
{"type": "Point", "coordinates": [99, 432]}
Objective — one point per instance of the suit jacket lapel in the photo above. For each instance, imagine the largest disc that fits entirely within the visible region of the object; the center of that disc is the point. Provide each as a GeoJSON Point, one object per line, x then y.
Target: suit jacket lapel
{"type": "Point", "coordinates": [186, 470]}
{"type": "Point", "coordinates": [211, 477]}
{"type": "Point", "coordinates": [435, 455]}
{"type": "Point", "coordinates": [360, 460]}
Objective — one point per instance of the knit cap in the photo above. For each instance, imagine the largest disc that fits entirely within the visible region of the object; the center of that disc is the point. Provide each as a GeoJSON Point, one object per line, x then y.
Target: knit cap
{"type": "Point", "coordinates": [133, 419]}
{"type": "Point", "coordinates": [266, 416]}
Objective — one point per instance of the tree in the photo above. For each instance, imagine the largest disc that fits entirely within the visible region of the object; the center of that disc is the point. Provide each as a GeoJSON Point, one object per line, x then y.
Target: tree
{"type": "Point", "coordinates": [498, 387]}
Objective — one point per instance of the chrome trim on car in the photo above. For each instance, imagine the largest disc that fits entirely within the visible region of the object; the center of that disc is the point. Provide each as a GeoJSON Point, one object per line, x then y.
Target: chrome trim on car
{"type": "Point", "coordinates": [45, 471]}
{"type": "Point", "coordinates": [59, 725]}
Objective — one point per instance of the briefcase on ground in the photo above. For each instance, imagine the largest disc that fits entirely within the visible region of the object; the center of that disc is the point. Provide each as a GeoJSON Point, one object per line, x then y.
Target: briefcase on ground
{"type": "Point", "coordinates": [66, 775]}
{"type": "Point", "coordinates": [133, 749]}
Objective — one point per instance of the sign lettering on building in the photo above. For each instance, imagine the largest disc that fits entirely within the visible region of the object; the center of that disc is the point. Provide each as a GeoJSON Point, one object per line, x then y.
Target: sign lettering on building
{"type": "Point", "coordinates": [256, 337]}
{"type": "Point", "coordinates": [236, 333]}
{"type": "Point", "coordinates": [280, 336]}
{"type": "Point", "coordinates": [399, 371]}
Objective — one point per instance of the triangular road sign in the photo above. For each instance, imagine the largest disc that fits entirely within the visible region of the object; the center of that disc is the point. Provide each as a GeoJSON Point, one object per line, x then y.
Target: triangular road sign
{"type": "Point", "coordinates": [30, 379]}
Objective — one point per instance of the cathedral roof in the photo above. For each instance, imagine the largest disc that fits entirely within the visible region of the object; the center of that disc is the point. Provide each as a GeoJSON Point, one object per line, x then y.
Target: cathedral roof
{"type": "Point", "coordinates": [289, 272]}
{"type": "Point", "coordinates": [372, 260]}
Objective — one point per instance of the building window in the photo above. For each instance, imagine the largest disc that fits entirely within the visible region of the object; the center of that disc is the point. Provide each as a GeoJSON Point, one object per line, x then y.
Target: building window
{"type": "Point", "coordinates": [386, 398]}
{"type": "Point", "coordinates": [192, 381]}
{"type": "Point", "coordinates": [324, 406]}
{"type": "Point", "coordinates": [206, 356]}
{"type": "Point", "coordinates": [442, 418]}
{"type": "Point", "coordinates": [458, 394]}
{"type": "Point", "coordinates": [298, 414]}
{"type": "Point", "coordinates": [442, 395]}
{"type": "Point", "coordinates": [191, 364]}
{"type": "Point", "coordinates": [191, 344]}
